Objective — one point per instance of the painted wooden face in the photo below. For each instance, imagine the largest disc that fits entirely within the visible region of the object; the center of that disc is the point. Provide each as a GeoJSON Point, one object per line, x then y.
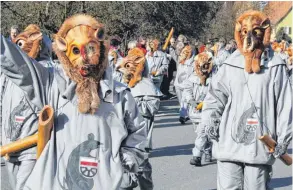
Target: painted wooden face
{"type": "Point", "coordinates": [252, 28]}
{"type": "Point", "coordinates": [132, 65]}
{"type": "Point", "coordinates": [30, 40]}
{"type": "Point", "coordinates": [82, 47]}
{"type": "Point", "coordinates": [203, 64]}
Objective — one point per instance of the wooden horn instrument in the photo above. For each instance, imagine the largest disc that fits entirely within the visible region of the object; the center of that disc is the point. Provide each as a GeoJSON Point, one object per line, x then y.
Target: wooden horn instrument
{"type": "Point", "coordinates": [46, 119]}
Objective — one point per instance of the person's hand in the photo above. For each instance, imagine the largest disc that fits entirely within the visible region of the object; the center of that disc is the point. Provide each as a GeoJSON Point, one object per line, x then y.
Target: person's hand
{"type": "Point", "coordinates": [199, 106]}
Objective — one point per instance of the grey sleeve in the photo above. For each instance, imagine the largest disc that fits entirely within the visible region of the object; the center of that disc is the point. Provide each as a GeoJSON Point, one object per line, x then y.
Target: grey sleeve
{"type": "Point", "coordinates": [165, 64]}
{"type": "Point", "coordinates": [214, 103]}
{"type": "Point", "coordinates": [283, 98]}
{"type": "Point", "coordinates": [25, 72]}
{"type": "Point", "coordinates": [133, 146]}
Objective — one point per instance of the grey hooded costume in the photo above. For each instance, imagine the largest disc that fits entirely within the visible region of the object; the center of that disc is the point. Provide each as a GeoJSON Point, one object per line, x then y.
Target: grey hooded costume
{"type": "Point", "coordinates": [19, 120]}
{"type": "Point", "coordinates": [241, 107]}
{"type": "Point", "coordinates": [117, 76]}
{"type": "Point", "coordinates": [193, 94]}
{"type": "Point", "coordinates": [183, 72]}
{"type": "Point", "coordinates": [159, 63]}
{"type": "Point", "coordinates": [85, 151]}
{"type": "Point", "coordinates": [146, 96]}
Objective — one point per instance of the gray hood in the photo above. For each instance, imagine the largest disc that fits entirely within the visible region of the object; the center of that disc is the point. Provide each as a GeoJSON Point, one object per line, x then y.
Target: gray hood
{"type": "Point", "coordinates": [46, 49]}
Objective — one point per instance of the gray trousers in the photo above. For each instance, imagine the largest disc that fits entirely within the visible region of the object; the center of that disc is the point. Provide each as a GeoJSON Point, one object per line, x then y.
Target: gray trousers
{"type": "Point", "coordinates": [241, 176]}
{"type": "Point", "coordinates": [183, 111]}
{"type": "Point", "coordinates": [202, 144]}
{"type": "Point", "coordinates": [18, 173]}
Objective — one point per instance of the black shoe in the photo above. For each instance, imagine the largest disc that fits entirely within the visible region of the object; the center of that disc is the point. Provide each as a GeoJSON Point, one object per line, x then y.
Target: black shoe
{"type": "Point", "coordinates": [164, 97]}
{"type": "Point", "coordinates": [196, 161]}
{"type": "Point", "coordinates": [182, 120]}
{"type": "Point", "coordinates": [187, 119]}
{"type": "Point", "coordinates": [208, 157]}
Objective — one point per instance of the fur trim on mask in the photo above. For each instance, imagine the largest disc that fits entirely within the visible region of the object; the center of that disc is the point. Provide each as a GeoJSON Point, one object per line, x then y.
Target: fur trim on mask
{"type": "Point", "coordinates": [132, 67]}
{"type": "Point", "coordinates": [199, 61]}
{"type": "Point", "coordinates": [252, 59]}
{"type": "Point", "coordinates": [87, 87]}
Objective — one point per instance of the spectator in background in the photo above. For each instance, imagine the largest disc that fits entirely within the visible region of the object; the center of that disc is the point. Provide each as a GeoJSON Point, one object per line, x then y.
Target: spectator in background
{"type": "Point", "coordinates": [142, 44]}
{"type": "Point", "coordinates": [233, 46]}
{"type": "Point", "coordinates": [14, 31]}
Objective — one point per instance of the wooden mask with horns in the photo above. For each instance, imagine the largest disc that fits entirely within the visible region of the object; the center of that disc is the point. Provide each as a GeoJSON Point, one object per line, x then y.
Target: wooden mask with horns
{"type": "Point", "coordinates": [252, 35]}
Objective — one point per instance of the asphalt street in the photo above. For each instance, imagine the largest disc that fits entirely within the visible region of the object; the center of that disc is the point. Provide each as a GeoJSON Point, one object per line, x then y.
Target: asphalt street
{"type": "Point", "coordinates": [172, 144]}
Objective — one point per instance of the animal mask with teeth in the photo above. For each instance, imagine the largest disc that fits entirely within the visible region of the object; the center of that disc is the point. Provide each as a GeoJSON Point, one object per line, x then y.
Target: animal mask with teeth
{"type": "Point", "coordinates": [79, 45]}
{"type": "Point", "coordinates": [132, 67]}
{"type": "Point", "coordinates": [203, 66]}
{"type": "Point", "coordinates": [252, 35]}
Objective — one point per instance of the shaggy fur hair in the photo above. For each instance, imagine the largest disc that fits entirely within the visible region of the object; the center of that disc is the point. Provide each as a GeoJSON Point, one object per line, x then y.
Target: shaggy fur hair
{"type": "Point", "coordinates": [81, 31]}
{"type": "Point", "coordinates": [256, 26]}
{"type": "Point", "coordinates": [30, 40]}
{"type": "Point", "coordinates": [203, 66]}
{"type": "Point", "coordinates": [185, 54]}
{"type": "Point", "coordinates": [132, 67]}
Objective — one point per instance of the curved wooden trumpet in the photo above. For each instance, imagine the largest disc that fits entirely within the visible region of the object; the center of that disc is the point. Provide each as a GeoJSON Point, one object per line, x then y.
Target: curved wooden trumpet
{"type": "Point", "coordinates": [46, 119]}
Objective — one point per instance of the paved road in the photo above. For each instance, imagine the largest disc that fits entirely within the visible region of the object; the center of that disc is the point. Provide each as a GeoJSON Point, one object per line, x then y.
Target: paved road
{"type": "Point", "coordinates": [172, 151]}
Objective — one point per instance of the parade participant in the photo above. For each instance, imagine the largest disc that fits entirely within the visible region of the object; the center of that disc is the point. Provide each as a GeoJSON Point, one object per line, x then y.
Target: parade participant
{"type": "Point", "coordinates": [146, 96]}
{"type": "Point", "coordinates": [141, 44]}
{"type": "Point", "coordinates": [184, 69]}
{"type": "Point", "coordinates": [194, 93]}
{"type": "Point", "coordinates": [157, 62]}
{"type": "Point", "coordinates": [235, 114]}
{"type": "Point", "coordinates": [14, 31]}
{"type": "Point", "coordinates": [36, 44]}
{"type": "Point", "coordinates": [172, 56]}
{"type": "Point", "coordinates": [18, 114]}
{"type": "Point", "coordinates": [115, 57]}
{"type": "Point", "coordinates": [220, 53]}
{"type": "Point", "coordinates": [98, 135]}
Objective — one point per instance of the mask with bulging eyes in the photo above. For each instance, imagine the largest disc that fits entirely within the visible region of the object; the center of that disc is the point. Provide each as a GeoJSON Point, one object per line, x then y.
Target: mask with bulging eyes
{"type": "Point", "coordinates": [79, 45]}
{"type": "Point", "coordinates": [252, 34]}
{"type": "Point", "coordinates": [30, 40]}
{"type": "Point", "coordinates": [203, 66]}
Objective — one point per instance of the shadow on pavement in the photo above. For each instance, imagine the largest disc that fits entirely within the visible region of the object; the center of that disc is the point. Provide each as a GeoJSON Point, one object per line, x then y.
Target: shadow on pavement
{"type": "Point", "coordinates": [172, 151]}
{"type": "Point", "coordinates": [281, 182]}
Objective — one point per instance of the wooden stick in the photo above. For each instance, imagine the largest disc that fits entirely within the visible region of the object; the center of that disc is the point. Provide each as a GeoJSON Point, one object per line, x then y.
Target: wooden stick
{"type": "Point", "coordinates": [168, 39]}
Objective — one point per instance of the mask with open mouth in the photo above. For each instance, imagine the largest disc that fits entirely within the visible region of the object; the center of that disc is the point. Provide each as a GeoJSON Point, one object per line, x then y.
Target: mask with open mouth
{"type": "Point", "coordinates": [203, 66]}
{"type": "Point", "coordinates": [30, 40]}
{"type": "Point", "coordinates": [132, 67]}
{"type": "Point", "coordinates": [79, 45]}
{"type": "Point", "coordinates": [252, 35]}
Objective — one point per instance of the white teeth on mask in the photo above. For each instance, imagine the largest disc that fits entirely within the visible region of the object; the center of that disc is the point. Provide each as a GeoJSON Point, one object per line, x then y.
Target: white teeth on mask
{"type": "Point", "coordinates": [251, 45]}
{"type": "Point", "coordinates": [245, 44]}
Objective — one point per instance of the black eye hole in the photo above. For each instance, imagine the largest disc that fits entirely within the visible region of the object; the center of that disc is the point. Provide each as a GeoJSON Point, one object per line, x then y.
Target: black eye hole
{"type": "Point", "coordinates": [127, 65]}
{"type": "Point", "coordinates": [75, 50]}
{"type": "Point", "coordinates": [245, 31]}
